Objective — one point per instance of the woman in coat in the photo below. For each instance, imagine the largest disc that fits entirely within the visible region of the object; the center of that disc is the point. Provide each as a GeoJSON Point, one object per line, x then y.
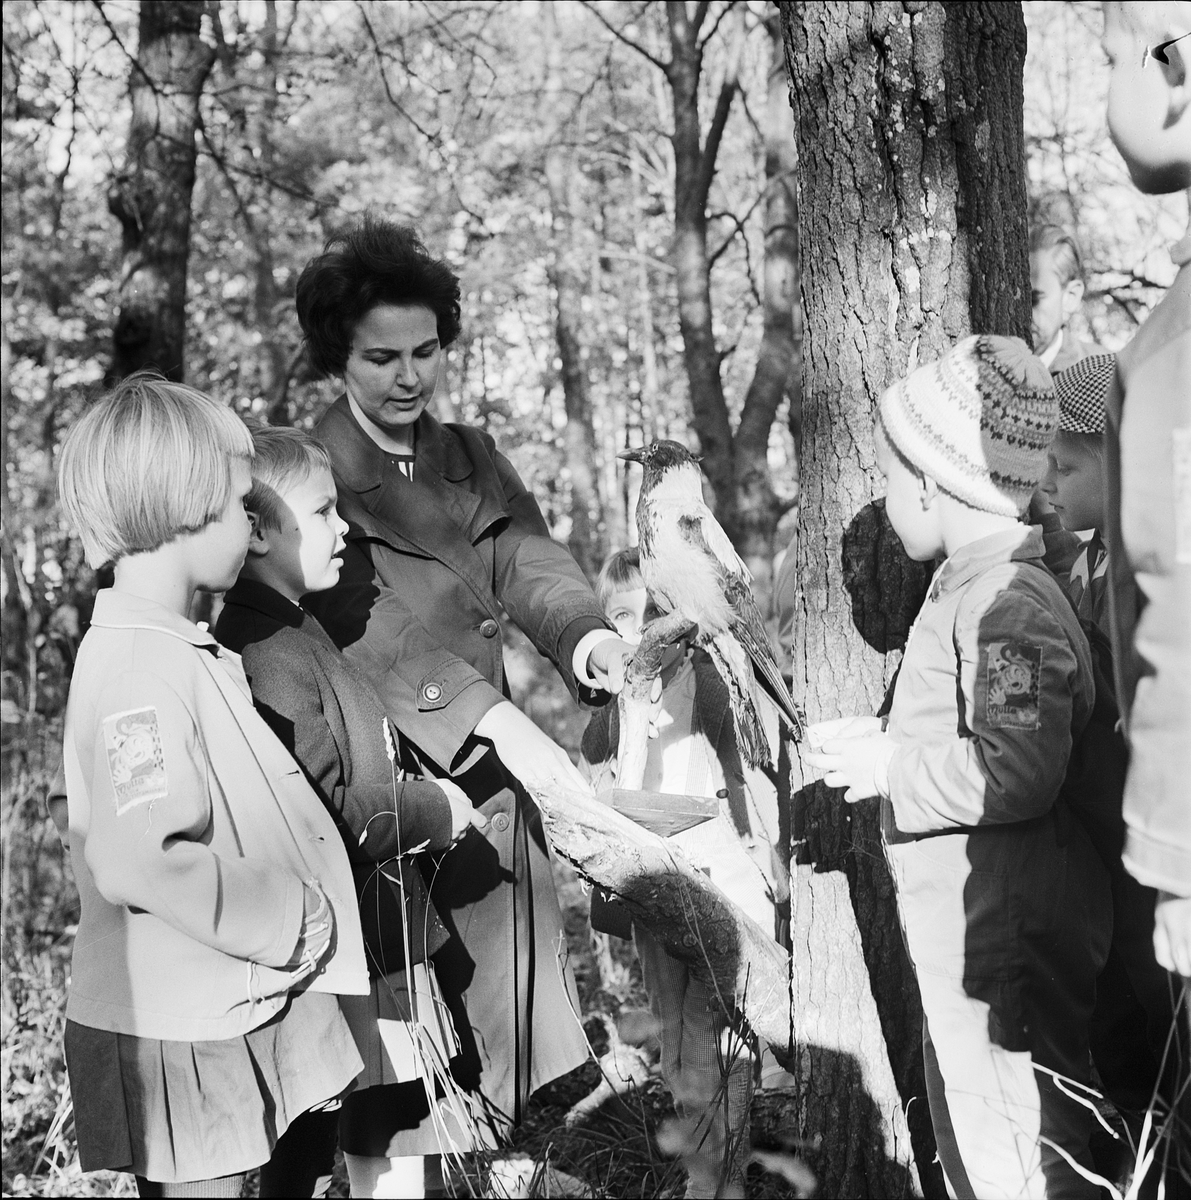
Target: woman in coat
{"type": "Point", "coordinates": [443, 537]}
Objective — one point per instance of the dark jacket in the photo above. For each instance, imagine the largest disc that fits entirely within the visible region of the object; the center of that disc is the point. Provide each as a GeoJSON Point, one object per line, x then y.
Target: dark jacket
{"type": "Point", "coordinates": [329, 718]}
{"type": "Point", "coordinates": [429, 566]}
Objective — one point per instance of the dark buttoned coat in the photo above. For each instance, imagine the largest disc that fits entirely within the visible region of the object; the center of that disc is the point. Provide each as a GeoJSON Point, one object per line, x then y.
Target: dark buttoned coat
{"type": "Point", "coordinates": [429, 566]}
{"type": "Point", "coordinates": [329, 718]}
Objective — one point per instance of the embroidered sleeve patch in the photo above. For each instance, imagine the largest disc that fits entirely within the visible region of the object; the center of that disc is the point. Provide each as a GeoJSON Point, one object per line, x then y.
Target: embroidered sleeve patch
{"type": "Point", "coordinates": [1013, 671]}
{"type": "Point", "coordinates": [135, 759]}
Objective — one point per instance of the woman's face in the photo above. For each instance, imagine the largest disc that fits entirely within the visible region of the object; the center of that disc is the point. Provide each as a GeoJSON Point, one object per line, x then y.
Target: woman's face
{"type": "Point", "coordinates": [392, 370]}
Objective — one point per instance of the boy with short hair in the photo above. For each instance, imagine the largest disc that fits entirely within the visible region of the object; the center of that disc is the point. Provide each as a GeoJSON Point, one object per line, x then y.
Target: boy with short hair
{"type": "Point", "coordinates": [707, 1062]}
{"type": "Point", "coordinates": [1003, 902]}
{"type": "Point", "coordinates": [334, 725]}
{"type": "Point", "coordinates": [1148, 459]}
{"type": "Point", "coordinates": [1057, 287]}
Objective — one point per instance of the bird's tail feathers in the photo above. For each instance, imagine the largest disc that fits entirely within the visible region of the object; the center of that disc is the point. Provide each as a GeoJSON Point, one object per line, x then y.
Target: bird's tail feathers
{"type": "Point", "coordinates": [736, 672]}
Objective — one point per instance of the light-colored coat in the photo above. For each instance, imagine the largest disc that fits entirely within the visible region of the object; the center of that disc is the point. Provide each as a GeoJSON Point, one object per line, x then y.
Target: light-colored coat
{"type": "Point", "coordinates": [190, 841]}
{"type": "Point", "coordinates": [1148, 534]}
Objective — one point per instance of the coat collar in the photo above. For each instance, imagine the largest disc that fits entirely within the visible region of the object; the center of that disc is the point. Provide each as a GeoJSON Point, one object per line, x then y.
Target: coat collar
{"type": "Point", "coordinates": [122, 610]}
{"type": "Point", "coordinates": [363, 465]}
{"type": "Point", "coordinates": [442, 514]}
{"type": "Point", "coordinates": [1021, 544]}
{"type": "Point", "coordinates": [261, 598]}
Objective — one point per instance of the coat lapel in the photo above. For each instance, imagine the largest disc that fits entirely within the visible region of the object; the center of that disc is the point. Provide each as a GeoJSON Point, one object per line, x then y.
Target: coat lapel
{"type": "Point", "coordinates": [436, 515]}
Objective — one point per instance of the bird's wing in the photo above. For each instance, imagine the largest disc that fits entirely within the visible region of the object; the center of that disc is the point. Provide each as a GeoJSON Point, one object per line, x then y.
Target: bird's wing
{"type": "Point", "coordinates": [704, 531]}
{"type": "Point", "coordinates": [701, 529]}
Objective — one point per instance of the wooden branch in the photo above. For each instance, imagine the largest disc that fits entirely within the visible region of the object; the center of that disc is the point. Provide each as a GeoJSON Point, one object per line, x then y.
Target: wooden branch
{"type": "Point", "coordinates": [711, 148]}
{"type": "Point", "coordinates": [622, 37]}
{"type": "Point", "coordinates": [725, 950]}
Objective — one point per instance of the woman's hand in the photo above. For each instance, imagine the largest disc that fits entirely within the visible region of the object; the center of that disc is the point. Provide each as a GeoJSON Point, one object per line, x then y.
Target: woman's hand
{"type": "Point", "coordinates": [607, 662]}
{"type": "Point", "coordinates": [527, 752]}
{"type": "Point", "coordinates": [463, 815]}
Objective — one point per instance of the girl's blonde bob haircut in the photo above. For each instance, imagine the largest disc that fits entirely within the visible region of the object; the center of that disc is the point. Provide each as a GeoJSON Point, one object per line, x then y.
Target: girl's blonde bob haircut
{"type": "Point", "coordinates": [150, 461]}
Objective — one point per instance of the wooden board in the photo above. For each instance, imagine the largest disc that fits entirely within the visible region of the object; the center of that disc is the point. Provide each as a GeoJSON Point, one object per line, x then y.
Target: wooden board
{"type": "Point", "coordinates": [663, 813]}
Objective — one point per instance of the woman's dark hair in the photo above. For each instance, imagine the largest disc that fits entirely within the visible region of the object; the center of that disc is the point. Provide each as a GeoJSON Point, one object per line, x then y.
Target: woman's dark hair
{"type": "Point", "coordinates": [377, 262]}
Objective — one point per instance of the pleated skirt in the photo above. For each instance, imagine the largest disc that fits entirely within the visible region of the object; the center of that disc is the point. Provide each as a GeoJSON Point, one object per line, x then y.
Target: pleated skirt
{"type": "Point", "coordinates": [174, 1111]}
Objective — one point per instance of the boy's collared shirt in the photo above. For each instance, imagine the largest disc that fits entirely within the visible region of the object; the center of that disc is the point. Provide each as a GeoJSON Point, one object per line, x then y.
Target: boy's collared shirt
{"type": "Point", "coordinates": [1087, 584]}
{"type": "Point", "coordinates": [995, 683]}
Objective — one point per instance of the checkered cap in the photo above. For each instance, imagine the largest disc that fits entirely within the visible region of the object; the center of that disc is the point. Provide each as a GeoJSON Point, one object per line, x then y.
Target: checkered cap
{"type": "Point", "coordinates": [1083, 390]}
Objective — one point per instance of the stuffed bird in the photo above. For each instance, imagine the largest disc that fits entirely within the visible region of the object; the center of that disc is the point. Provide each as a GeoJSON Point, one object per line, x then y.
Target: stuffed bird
{"type": "Point", "coordinates": [690, 567]}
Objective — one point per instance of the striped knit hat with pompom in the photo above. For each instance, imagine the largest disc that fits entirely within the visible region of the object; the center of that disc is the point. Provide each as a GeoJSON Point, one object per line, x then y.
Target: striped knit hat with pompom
{"type": "Point", "coordinates": [977, 421]}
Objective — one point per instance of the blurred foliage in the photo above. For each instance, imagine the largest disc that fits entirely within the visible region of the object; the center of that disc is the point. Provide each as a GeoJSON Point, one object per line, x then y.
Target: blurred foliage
{"type": "Point", "coordinates": [428, 112]}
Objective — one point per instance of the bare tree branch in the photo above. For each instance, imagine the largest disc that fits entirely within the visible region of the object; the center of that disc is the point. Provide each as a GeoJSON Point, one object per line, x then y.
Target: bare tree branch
{"type": "Point", "coordinates": [622, 37]}
{"type": "Point", "coordinates": [711, 148]}
{"type": "Point", "coordinates": [728, 7]}
{"type": "Point", "coordinates": [432, 138]}
{"type": "Point", "coordinates": [132, 59]}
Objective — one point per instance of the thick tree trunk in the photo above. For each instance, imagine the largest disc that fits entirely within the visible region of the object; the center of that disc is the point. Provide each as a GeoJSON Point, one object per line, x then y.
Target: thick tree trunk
{"type": "Point", "coordinates": [912, 211]}
{"type": "Point", "coordinates": [151, 196]}
{"type": "Point", "coordinates": [588, 537]}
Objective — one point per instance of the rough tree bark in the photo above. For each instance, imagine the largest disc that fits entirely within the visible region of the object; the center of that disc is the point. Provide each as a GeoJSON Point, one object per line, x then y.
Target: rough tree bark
{"type": "Point", "coordinates": [588, 537]}
{"type": "Point", "coordinates": [912, 211]}
{"type": "Point", "coordinates": [151, 195]}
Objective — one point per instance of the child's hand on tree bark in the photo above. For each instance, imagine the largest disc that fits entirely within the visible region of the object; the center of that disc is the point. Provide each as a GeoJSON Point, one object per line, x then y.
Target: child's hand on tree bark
{"type": "Point", "coordinates": [853, 753]}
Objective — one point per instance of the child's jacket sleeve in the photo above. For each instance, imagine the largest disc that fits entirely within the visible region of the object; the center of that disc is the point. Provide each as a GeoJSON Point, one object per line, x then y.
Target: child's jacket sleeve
{"type": "Point", "coordinates": [149, 828]}
{"type": "Point", "coordinates": [1014, 687]}
{"type": "Point", "coordinates": [335, 731]}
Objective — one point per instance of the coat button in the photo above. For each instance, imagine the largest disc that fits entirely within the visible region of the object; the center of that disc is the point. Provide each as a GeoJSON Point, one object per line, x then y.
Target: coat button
{"type": "Point", "coordinates": [500, 822]}
{"type": "Point", "coordinates": [489, 628]}
{"type": "Point", "coordinates": [432, 692]}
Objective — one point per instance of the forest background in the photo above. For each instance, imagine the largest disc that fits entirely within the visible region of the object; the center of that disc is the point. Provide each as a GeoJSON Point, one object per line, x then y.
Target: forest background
{"type": "Point", "coordinates": [622, 280]}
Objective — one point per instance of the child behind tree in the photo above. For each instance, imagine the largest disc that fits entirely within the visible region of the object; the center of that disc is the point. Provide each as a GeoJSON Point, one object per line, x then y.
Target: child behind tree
{"type": "Point", "coordinates": [707, 1061]}
{"type": "Point", "coordinates": [1057, 287]}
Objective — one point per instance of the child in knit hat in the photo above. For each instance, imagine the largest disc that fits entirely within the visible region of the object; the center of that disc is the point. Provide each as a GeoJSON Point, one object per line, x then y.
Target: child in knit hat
{"type": "Point", "coordinates": [1003, 902]}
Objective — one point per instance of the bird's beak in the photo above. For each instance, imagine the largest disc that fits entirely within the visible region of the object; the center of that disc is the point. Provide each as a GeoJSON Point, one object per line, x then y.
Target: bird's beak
{"type": "Point", "coordinates": [631, 455]}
